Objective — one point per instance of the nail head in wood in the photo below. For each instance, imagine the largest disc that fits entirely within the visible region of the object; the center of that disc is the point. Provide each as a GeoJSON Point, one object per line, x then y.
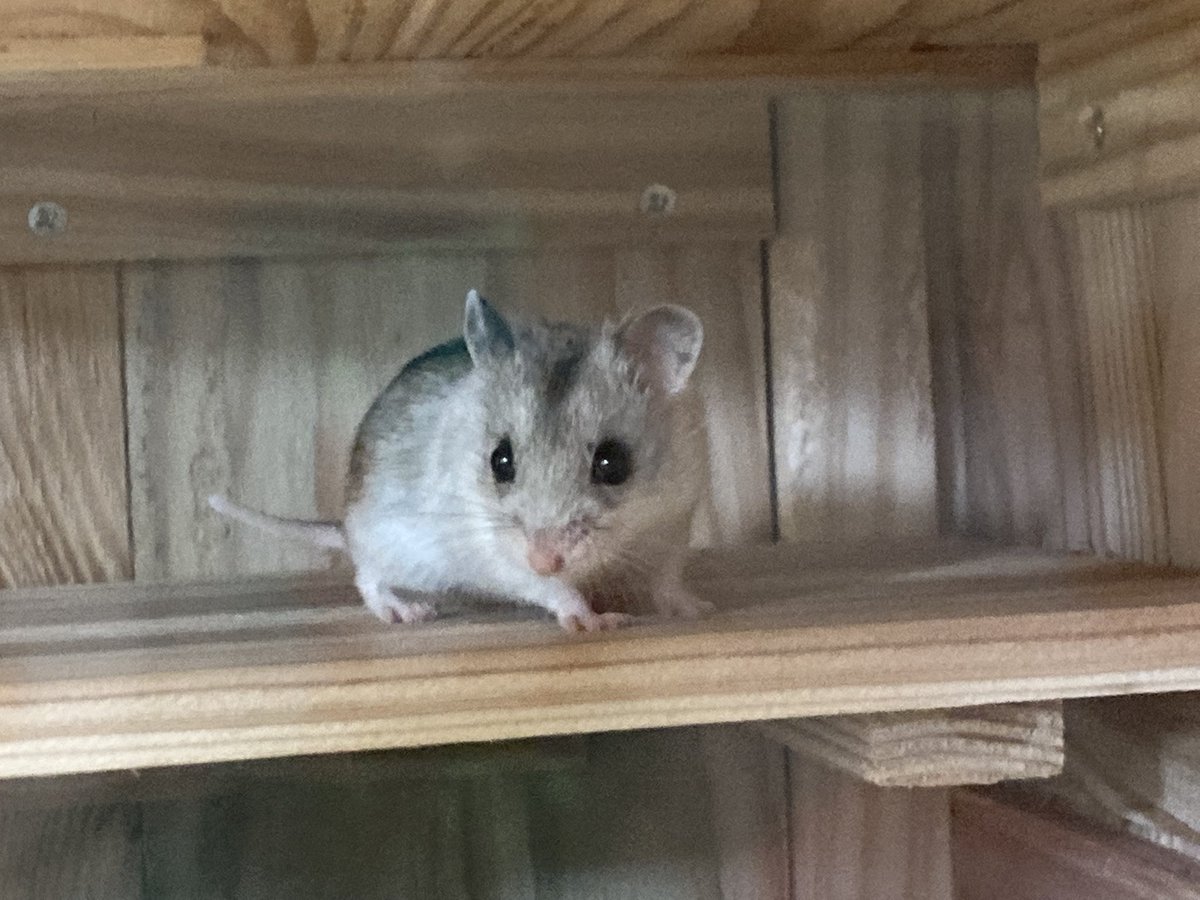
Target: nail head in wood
{"type": "Point", "coordinates": [658, 200]}
{"type": "Point", "coordinates": [1093, 120]}
{"type": "Point", "coordinates": [47, 218]}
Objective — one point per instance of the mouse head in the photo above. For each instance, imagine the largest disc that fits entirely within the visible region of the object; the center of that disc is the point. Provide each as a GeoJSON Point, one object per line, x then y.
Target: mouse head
{"type": "Point", "coordinates": [580, 447]}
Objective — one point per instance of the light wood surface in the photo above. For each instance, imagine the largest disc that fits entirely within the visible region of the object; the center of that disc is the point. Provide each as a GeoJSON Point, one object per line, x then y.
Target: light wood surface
{"type": "Point", "coordinates": [1010, 365]}
{"type": "Point", "coordinates": [269, 31]}
{"type": "Point", "coordinates": [943, 748]}
{"type": "Point", "coordinates": [100, 52]}
{"type": "Point", "coordinates": [855, 841]}
{"type": "Point", "coordinates": [1116, 283]}
{"type": "Point", "coordinates": [172, 674]}
{"type": "Point", "coordinates": [1176, 289]}
{"type": "Point", "coordinates": [1005, 849]}
{"type": "Point", "coordinates": [1138, 72]}
{"type": "Point", "coordinates": [853, 418]}
{"type": "Point", "coordinates": [297, 172]}
{"type": "Point", "coordinates": [63, 508]}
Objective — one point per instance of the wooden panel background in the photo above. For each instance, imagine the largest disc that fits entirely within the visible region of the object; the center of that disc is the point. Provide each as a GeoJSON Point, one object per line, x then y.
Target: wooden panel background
{"type": "Point", "coordinates": [63, 499]}
{"type": "Point", "coordinates": [249, 376]}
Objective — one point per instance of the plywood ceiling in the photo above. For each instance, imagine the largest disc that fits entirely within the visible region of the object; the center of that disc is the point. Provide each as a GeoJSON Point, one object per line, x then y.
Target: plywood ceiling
{"type": "Point", "coordinates": [299, 31]}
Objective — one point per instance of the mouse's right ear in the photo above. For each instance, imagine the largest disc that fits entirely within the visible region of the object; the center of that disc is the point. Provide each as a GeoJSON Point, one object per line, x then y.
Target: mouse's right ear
{"type": "Point", "coordinates": [487, 335]}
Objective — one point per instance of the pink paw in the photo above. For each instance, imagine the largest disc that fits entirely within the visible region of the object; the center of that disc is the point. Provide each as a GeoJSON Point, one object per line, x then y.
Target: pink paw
{"type": "Point", "coordinates": [590, 621]}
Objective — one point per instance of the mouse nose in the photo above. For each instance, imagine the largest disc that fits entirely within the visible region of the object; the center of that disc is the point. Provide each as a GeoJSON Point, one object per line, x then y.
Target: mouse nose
{"type": "Point", "coordinates": [547, 549]}
{"type": "Point", "coordinates": [545, 562]}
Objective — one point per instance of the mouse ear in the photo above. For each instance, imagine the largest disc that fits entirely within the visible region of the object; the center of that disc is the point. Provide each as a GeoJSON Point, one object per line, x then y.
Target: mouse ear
{"type": "Point", "coordinates": [664, 343]}
{"type": "Point", "coordinates": [485, 331]}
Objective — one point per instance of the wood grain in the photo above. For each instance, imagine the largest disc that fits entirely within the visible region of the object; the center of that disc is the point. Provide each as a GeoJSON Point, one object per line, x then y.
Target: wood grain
{"type": "Point", "coordinates": [1009, 347]}
{"type": "Point", "coordinates": [1175, 288]}
{"type": "Point", "coordinates": [269, 31]}
{"type": "Point", "coordinates": [944, 748]}
{"type": "Point", "coordinates": [1116, 271]}
{"type": "Point", "coordinates": [1009, 850]}
{"type": "Point", "coordinates": [855, 841]}
{"type": "Point", "coordinates": [1139, 72]}
{"type": "Point", "coordinates": [63, 505]}
{"type": "Point", "coordinates": [83, 851]}
{"type": "Point", "coordinates": [360, 166]}
{"type": "Point", "coordinates": [90, 53]}
{"type": "Point", "coordinates": [852, 411]}
{"type": "Point", "coordinates": [164, 675]}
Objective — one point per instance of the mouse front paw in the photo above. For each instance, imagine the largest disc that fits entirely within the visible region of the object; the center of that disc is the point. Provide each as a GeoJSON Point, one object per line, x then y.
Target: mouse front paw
{"type": "Point", "coordinates": [591, 621]}
{"type": "Point", "coordinates": [389, 608]}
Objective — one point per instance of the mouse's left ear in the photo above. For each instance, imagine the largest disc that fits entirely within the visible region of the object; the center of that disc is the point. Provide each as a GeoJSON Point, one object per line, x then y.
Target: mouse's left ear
{"type": "Point", "coordinates": [486, 333]}
{"type": "Point", "coordinates": [664, 343]}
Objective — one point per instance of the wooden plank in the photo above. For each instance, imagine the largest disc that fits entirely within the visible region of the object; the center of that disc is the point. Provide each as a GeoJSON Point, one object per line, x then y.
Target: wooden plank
{"type": "Point", "coordinates": [853, 419]}
{"type": "Point", "coordinates": [978, 745]}
{"type": "Point", "coordinates": [887, 23]}
{"type": "Point", "coordinates": [1010, 850]}
{"type": "Point", "coordinates": [86, 851]}
{"type": "Point", "coordinates": [1116, 275]}
{"type": "Point", "coordinates": [855, 841]}
{"type": "Point", "coordinates": [63, 509]}
{"type": "Point", "coordinates": [1176, 284]}
{"type": "Point", "coordinates": [90, 53]}
{"type": "Point", "coordinates": [1118, 119]}
{"type": "Point", "coordinates": [266, 32]}
{"type": "Point", "coordinates": [1010, 363]}
{"type": "Point", "coordinates": [305, 167]}
{"type": "Point", "coordinates": [166, 674]}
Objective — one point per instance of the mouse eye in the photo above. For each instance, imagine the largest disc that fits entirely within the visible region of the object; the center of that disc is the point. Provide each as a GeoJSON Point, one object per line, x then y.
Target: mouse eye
{"type": "Point", "coordinates": [611, 464]}
{"type": "Point", "coordinates": [504, 466]}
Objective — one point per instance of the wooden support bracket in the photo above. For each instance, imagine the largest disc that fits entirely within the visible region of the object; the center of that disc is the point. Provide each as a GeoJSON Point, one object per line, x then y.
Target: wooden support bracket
{"type": "Point", "coordinates": [938, 748]}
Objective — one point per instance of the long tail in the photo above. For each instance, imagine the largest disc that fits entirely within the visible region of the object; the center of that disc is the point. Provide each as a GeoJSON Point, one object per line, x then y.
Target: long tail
{"type": "Point", "coordinates": [323, 534]}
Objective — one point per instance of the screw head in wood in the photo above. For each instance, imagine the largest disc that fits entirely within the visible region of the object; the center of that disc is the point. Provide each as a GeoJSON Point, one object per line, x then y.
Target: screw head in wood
{"type": "Point", "coordinates": [47, 218]}
{"type": "Point", "coordinates": [658, 200]}
{"type": "Point", "coordinates": [1093, 120]}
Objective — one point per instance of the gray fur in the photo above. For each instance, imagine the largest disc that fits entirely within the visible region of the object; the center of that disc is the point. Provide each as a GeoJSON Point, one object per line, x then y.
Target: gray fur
{"type": "Point", "coordinates": [425, 514]}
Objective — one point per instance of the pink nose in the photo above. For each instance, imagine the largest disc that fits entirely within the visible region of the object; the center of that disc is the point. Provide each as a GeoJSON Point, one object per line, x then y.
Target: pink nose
{"type": "Point", "coordinates": [545, 561]}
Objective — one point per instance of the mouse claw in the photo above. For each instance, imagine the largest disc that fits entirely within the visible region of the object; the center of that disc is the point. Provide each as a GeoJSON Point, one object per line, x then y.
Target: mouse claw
{"type": "Point", "coordinates": [584, 622]}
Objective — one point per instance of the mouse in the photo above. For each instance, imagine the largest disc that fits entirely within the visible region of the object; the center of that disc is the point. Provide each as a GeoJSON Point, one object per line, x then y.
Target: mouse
{"type": "Point", "coordinates": [543, 463]}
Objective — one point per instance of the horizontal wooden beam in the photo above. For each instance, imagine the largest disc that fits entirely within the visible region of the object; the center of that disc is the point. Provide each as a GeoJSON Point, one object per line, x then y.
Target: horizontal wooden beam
{"type": "Point", "coordinates": [937, 748]}
{"type": "Point", "coordinates": [266, 162]}
{"type": "Point", "coordinates": [74, 54]}
{"type": "Point", "coordinates": [985, 66]}
{"type": "Point", "coordinates": [113, 676]}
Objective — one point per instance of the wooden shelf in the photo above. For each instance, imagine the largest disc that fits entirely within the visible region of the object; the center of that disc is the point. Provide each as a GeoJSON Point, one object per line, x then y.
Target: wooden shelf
{"type": "Point", "coordinates": [119, 676]}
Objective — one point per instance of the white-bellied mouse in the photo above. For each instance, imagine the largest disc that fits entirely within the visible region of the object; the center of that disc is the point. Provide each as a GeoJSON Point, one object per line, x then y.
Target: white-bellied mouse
{"type": "Point", "coordinates": [550, 464]}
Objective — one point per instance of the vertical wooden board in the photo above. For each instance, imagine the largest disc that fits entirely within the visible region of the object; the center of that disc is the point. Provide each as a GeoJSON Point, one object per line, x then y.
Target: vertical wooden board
{"type": "Point", "coordinates": [71, 851]}
{"type": "Point", "coordinates": [1177, 307]}
{"type": "Point", "coordinates": [1009, 358]}
{"type": "Point", "coordinates": [63, 508]}
{"type": "Point", "coordinates": [636, 824]}
{"type": "Point", "coordinates": [853, 416]}
{"type": "Point", "coordinates": [854, 841]}
{"type": "Point", "coordinates": [1116, 266]}
{"type": "Point", "coordinates": [748, 788]}
{"type": "Point", "coordinates": [249, 378]}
